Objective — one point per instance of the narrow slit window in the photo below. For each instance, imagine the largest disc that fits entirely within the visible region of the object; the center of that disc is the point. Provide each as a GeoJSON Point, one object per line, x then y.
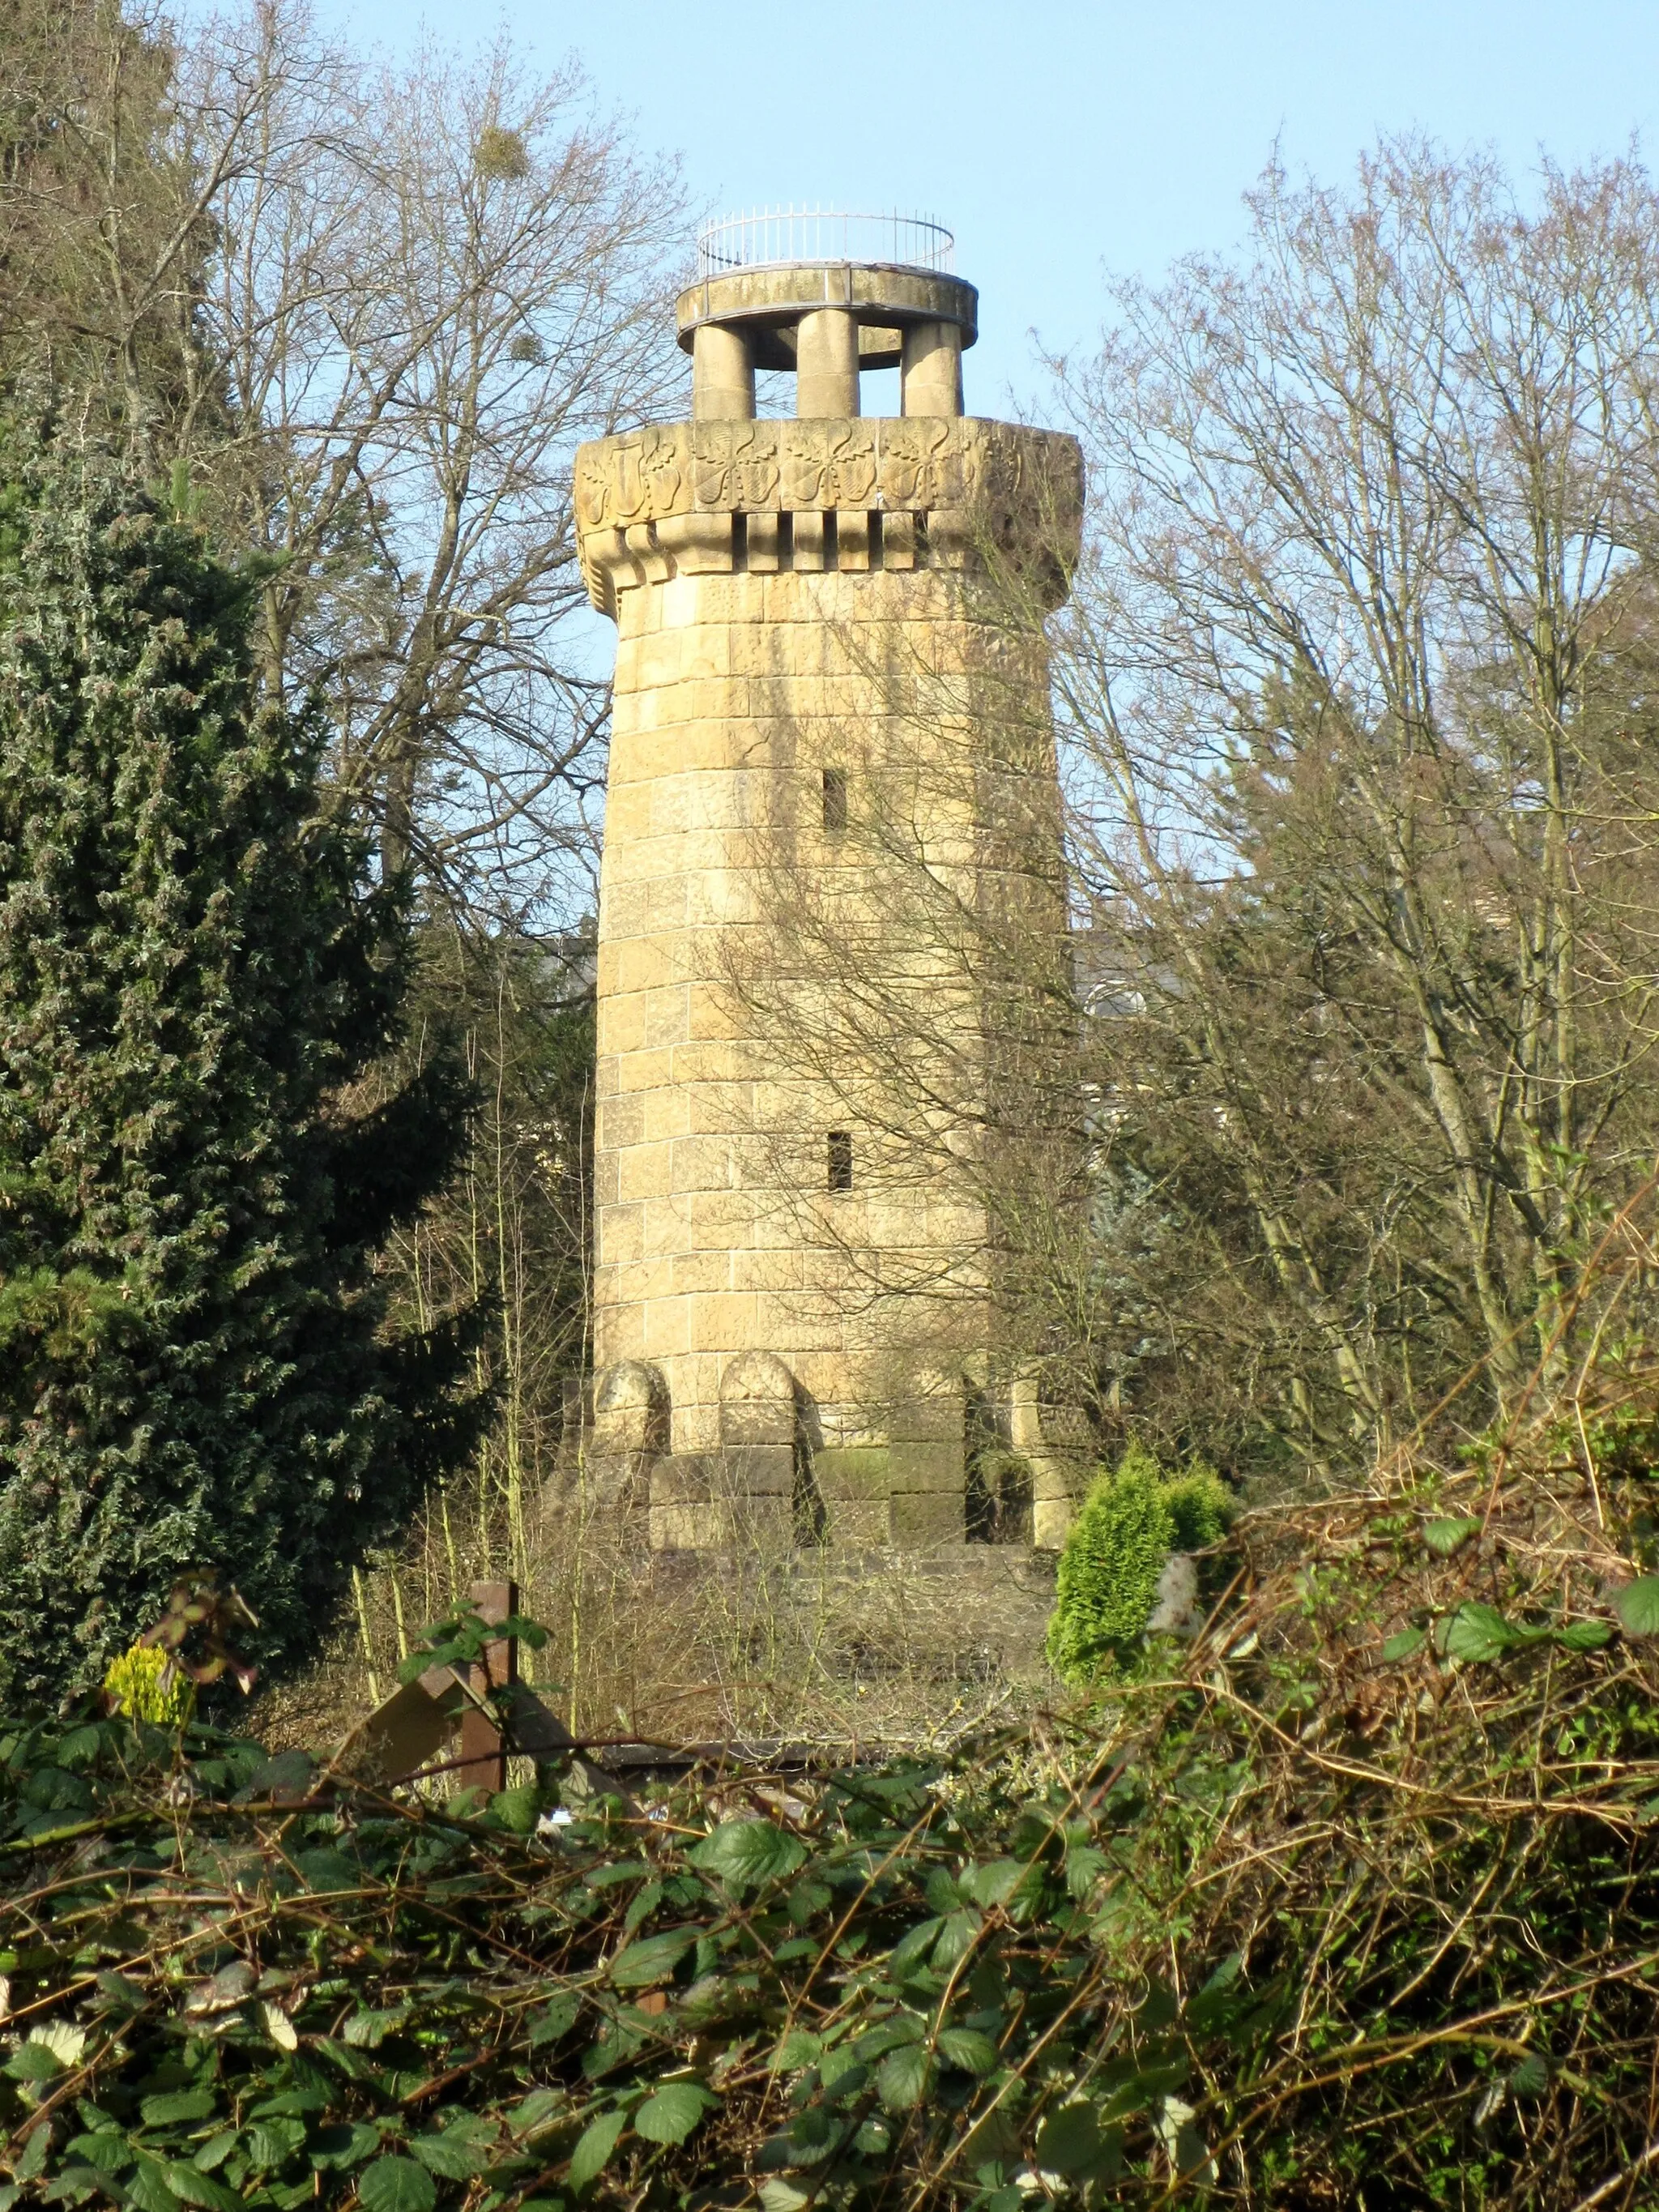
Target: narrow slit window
{"type": "Point", "coordinates": [840, 1159]}
{"type": "Point", "coordinates": [834, 799]}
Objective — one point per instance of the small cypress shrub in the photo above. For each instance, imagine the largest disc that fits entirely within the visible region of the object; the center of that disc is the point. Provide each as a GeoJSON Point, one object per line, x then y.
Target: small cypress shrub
{"type": "Point", "coordinates": [144, 1684]}
{"type": "Point", "coordinates": [1130, 1521]}
{"type": "Point", "coordinates": [1199, 1507]}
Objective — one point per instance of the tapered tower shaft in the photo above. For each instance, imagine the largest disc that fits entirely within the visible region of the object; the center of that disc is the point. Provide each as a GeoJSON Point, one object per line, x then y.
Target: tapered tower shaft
{"type": "Point", "coordinates": [804, 607]}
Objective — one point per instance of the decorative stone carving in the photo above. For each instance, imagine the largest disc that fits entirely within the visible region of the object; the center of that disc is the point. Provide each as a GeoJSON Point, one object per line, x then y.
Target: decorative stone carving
{"type": "Point", "coordinates": [734, 466]}
{"type": "Point", "coordinates": [961, 472]}
{"type": "Point", "coordinates": [830, 464]}
{"type": "Point", "coordinates": [906, 461]}
{"type": "Point", "coordinates": [920, 465]}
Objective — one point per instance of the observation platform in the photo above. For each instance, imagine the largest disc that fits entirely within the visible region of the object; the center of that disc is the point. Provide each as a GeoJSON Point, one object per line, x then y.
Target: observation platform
{"type": "Point", "coordinates": [825, 293]}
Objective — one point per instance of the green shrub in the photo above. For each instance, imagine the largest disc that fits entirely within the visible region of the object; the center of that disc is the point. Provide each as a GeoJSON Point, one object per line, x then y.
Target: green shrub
{"type": "Point", "coordinates": [238, 1986]}
{"type": "Point", "coordinates": [1130, 1521]}
{"type": "Point", "coordinates": [1199, 1506]}
{"type": "Point", "coordinates": [145, 1685]}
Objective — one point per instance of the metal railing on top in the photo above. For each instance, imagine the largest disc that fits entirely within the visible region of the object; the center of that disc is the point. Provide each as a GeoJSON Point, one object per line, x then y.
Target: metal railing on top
{"type": "Point", "coordinates": [767, 237]}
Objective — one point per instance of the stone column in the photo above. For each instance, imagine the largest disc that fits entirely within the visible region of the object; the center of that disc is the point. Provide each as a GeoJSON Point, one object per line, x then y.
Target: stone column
{"type": "Point", "coordinates": [931, 369]}
{"type": "Point", "coordinates": [722, 375]}
{"type": "Point", "coordinates": [827, 362]}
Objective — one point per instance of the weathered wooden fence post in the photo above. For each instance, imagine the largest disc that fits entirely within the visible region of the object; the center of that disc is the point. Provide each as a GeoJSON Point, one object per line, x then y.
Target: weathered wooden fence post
{"type": "Point", "coordinates": [483, 1763]}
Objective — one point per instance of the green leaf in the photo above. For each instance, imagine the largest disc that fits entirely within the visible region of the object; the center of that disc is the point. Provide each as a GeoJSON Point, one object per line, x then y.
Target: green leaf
{"type": "Point", "coordinates": [555, 2020]}
{"type": "Point", "coordinates": [1585, 1635]}
{"type": "Point", "coordinates": [217, 2149]}
{"type": "Point", "coordinates": [1444, 1536]}
{"type": "Point", "coordinates": [913, 1945]}
{"type": "Point", "coordinates": [808, 1898]}
{"type": "Point", "coordinates": [1405, 1645]}
{"type": "Point", "coordinates": [780, 2195]}
{"type": "Point", "coordinates": [843, 2075]}
{"type": "Point", "coordinates": [396, 2185]}
{"type": "Point", "coordinates": [184, 2104]}
{"type": "Point", "coordinates": [676, 2108]}
{"type": "Point", "coordinates": [536, 2112]}
{"type": "Point", "coordinates": [326, 1869]}
{"type": "Point", "coordinates": [942, 1892]}
{"type": "Point", "coordinates": [644, 1903]}
{"type": "Point", "coordinates": [957, 1937]}
{"type": "Point", "coordinates": [967, 2048]}
{"type": "Point", "coordinates": [1529, 2076]}
{"type": "Point", "coordinates": [594, 2146]}
{"type": "Point", "coordinates": [746, 1852]}
{"type": "Point", "coordinates": [1478, 1633]}
{"type": "Point", "coordinates": [146, 2187]}
{"type": "Point", "coordinates": [346, 2145]}
{"type": "Point", "coordinates": [1069, 2142]}
{"type": "Point", "coordinates": [107, 2150]}
{"type": "Point", "coordinates": [34, 2062]}
{"type": "Point", "coordinates": [192, 2186]}
{"type": "Point", "coordinates": [1148, 2084]}
{"type": "Point", "coordinates": [994, 1884]}
{"type": "Point", "coordinates": [455, 2154]}
{"type": "Point", "coordinates": [886, 2035]}
{"type": "Point", "coordinates": [271, 2144]}
{"type": "Point", "coordinates": [813, 2134]}
{"type": "Point", "coordinates": [652, 1959]}
{"type": "Point", "coordinates": [799, 2048]}
{"type": "Point", "coordinates": [519, 1810]}
{"type": "Point", "coordinates": [1637, 1607]}
{"type": "Point", "coordinates": [904, 2077]}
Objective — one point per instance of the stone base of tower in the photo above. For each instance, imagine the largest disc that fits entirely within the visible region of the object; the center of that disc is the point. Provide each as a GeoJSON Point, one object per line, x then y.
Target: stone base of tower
{"type": "Point", "coordinates": [948, 1469]}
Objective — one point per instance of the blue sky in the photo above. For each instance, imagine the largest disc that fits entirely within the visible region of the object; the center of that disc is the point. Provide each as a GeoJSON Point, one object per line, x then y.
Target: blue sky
{"type": "Point", "coordinates": [1060, 137]}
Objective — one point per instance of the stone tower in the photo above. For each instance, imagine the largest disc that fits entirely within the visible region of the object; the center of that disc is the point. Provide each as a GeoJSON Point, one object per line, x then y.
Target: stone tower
{"type": "Point", "coordinates": [758, 572]}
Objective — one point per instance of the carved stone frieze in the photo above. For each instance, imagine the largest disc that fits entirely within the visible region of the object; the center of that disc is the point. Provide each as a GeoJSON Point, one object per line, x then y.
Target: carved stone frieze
{"type": "Point", "coordinates": [967, 472]}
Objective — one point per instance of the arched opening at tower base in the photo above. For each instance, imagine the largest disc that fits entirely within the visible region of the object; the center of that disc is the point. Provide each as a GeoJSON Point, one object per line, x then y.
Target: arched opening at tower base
{"type": "Point", "coordinates": [957, 1465]}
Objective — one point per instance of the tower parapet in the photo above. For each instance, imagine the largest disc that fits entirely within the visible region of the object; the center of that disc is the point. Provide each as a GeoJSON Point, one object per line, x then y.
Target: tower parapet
{"type": "Point", "coordinates": [849, 494]}
{"type": "Point", "coordinates": [759, 573]}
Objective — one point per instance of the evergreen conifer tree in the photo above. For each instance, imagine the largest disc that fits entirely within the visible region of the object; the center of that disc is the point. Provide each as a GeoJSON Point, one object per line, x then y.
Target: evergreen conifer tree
{"type": "Point", "coordinates": [197, 1365]}
{"type": "Point", "coordinates": [1115, 1552]}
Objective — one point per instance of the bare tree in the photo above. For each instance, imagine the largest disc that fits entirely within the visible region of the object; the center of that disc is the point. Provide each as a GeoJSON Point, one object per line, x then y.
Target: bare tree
{"type": "Point", "coordinates": [390, 301]}
{"type": "Point", "coordinates": [98, 228]}
{"type": "Point", "coordinates": [1357, 690]}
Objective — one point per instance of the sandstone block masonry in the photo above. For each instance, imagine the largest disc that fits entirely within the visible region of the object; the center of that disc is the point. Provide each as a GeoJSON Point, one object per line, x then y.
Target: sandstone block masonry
{"type": "Point", "coordinates": [767, 1366]}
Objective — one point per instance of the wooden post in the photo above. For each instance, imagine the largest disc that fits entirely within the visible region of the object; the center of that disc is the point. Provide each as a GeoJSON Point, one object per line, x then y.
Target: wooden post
{"type": "Point", "coordinates": [483, 1763]}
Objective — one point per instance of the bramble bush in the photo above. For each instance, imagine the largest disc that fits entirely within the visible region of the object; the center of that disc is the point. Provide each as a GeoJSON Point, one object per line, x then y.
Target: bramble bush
{"type": "Point", "coordinates": [1170, 1948]}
